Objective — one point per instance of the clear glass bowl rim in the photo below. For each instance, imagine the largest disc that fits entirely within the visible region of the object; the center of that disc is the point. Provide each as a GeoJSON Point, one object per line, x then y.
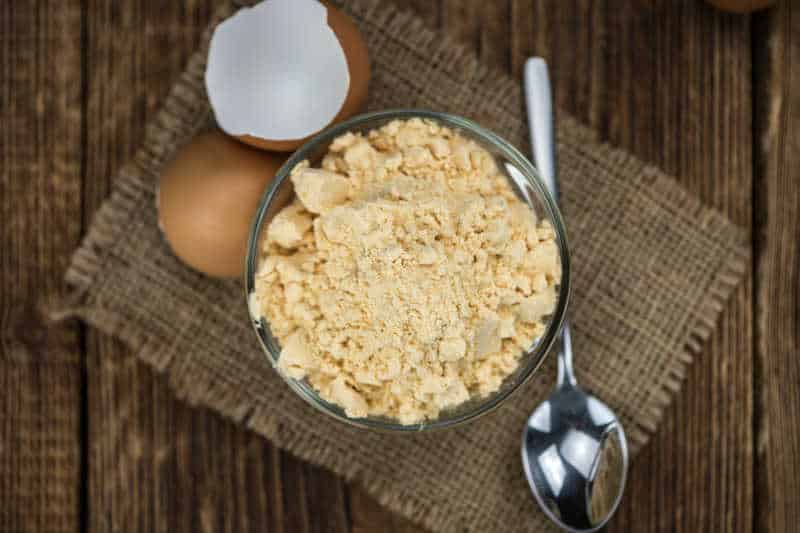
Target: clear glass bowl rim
{"type": "Point", "coordinates": [532, 361]}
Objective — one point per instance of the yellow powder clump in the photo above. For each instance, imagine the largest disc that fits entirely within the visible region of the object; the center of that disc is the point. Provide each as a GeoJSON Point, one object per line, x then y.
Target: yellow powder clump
{"type": "Point", "coordinates": [406, 277]}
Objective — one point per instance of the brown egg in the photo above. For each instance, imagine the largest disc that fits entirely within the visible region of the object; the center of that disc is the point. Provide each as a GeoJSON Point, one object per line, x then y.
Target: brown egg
{"type": "Point", "coordinates": [355, 50]}
{"type": "Point", "coordinates": [208, 195]}
{"type": "Point", "coordinates": [741, 6]}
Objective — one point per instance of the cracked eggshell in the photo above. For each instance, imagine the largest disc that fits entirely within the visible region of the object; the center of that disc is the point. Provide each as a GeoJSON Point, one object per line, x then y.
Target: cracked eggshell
{"type": "Point", "coordinates": [283, 70]}
{"type": "Point", "coordinates": [207, 198]}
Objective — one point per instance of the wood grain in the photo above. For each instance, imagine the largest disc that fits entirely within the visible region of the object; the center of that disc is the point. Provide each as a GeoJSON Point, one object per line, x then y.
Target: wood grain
{"type": "Point", "coordinates": [160, 465]}
{"type": "Point", "coordinates": [670, 81]}
{"type": "Point", "coordinates": [777, 56]}
{"type": "Point", "coordinates": [40, 203]}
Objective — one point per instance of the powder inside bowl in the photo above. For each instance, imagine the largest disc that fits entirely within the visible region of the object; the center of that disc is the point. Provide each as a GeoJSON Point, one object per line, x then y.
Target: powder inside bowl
{"type": "Point", "coordinates": [406, 277]}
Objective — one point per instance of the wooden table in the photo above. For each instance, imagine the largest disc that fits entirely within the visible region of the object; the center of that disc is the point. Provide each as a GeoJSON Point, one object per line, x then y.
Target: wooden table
{"type": "Point", "coordinates": [92, 440]}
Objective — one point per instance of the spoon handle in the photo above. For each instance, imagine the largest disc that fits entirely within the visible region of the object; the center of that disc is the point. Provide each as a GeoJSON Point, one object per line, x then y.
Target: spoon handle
{"type": "Point", "coordinates": [539, 101]}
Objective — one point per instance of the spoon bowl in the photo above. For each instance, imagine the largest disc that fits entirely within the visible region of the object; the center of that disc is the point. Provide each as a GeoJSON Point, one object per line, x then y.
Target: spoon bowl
{"type": "Point", "coordinates": [575, 457]}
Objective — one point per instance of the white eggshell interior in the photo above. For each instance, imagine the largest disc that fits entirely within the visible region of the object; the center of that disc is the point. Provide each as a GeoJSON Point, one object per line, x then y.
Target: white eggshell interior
{"type": "Point", "coordinates": [276, 71]}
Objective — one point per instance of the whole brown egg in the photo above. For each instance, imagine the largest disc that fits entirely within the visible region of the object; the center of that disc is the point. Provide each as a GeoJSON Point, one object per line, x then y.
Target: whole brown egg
{"type": "Point", "coordinates": [207, 197]}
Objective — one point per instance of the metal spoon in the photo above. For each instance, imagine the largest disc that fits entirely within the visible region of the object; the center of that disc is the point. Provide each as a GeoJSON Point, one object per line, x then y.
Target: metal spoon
{"type": "Point", "coordinates": [573, 447]}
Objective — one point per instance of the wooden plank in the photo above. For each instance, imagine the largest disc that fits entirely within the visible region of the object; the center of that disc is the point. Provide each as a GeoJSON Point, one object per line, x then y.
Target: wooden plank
{"type": "Point", "coordinates": [777, 94]}
{"type": "Point", "coordinates": [670, 81]}
{"type": "Point", "coordinates": [40, 202]}
{"type": "Point", "coordinates": [155, 464]}
{"type": "Point", "coordinates": [160, 465]}
{"type": "Point", "coordinates": [483, 25]}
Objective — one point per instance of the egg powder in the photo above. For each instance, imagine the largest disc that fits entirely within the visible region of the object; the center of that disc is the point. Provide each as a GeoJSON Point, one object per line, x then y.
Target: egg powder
{"type": "Point", "coordinates": [406, 277]}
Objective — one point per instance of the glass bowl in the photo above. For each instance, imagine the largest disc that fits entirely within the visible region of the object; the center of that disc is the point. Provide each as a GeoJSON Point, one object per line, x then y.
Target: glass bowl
{"type": "Point", "coordinates": [529, 188]}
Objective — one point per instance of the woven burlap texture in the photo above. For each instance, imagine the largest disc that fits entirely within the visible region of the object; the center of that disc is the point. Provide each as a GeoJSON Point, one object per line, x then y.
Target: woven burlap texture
{"type": "Point", "coordinates": [652, 269]}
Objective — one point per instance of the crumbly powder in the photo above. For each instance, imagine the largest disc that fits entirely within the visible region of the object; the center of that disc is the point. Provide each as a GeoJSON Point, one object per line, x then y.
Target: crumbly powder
{"type": "Point", "coordinates": [406, 277]}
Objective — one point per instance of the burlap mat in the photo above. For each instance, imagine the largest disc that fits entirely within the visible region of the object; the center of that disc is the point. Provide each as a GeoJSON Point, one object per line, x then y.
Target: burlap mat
{"type": "Point", "coordinates": [652, 270]}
